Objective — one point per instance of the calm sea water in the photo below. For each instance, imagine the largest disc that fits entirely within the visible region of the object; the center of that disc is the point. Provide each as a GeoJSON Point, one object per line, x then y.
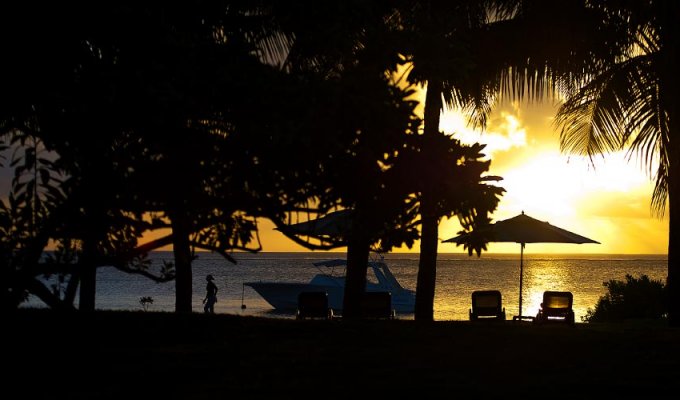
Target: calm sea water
{"type": "Point", "coordinates": [457, 277]}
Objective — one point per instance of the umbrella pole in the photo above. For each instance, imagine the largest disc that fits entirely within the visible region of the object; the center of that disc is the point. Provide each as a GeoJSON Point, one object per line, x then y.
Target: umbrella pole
{"type": "Point", "coordinates": [521, 277]}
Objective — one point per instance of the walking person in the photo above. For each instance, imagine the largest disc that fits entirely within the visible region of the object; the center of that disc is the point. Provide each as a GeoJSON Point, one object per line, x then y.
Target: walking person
{"type": "Point", "coordinates": [210, 295]}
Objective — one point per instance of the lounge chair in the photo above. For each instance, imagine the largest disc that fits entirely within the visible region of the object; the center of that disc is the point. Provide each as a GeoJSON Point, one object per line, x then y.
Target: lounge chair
{"type": "Point", "coordinates": [313, 305]}
{"type": "Point", "coordinates": [487, 304]}
{"type": "Point", "coordinates": [556, 307]}
{"type": "Point", "coordinates": [377, 305]}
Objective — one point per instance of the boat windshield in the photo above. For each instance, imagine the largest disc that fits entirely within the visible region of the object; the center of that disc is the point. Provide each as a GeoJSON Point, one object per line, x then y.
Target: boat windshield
{"type": "Point", "coordinates": [335, 267]}
{"type": "Point", "coordinates": [381, 274]}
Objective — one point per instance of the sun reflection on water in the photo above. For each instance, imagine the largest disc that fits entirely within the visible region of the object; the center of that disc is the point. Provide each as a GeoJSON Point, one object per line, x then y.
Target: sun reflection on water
{"type": "Point", "coordinates": [583, 275]}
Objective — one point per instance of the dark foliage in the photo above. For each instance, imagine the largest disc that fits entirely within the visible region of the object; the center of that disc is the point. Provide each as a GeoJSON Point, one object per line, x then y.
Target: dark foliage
{"type": "Point", "coordinates": [636, 298]}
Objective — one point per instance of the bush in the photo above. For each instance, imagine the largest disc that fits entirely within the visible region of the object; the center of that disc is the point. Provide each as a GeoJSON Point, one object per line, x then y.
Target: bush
{"type": "Point", "coordinates": [146, 302]}
{"type": "Point", "coordinates": [639, 298]}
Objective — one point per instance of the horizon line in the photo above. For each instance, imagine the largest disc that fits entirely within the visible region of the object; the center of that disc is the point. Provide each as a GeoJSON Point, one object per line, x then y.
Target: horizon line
{"type": "Point", "coordinates": [417, 253]}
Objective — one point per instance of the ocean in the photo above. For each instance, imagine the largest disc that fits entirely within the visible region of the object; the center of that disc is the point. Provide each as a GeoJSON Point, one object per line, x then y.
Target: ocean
{"type": "Point", "coordinates": [458, 275]}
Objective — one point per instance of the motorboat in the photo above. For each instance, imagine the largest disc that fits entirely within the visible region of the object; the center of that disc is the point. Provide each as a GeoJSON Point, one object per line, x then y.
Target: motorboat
{"type": "Point", "coordinates": [283, 296]}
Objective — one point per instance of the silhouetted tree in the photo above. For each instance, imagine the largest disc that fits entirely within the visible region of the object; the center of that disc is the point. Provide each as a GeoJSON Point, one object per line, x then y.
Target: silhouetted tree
{"type": "Point", "coordinates": [24, 223]}
{"type": "Point", "coordinates": [470, 53]}
{"type": "Point", "coordinates": [631, 101]}
{"type": "Point", "coordinates": [49, 84]}
{"type": "Point", "coordinates": [183, 76]}
{"type": "Point", "coordinates": [368, 123]}
{"type": "Point", "coordinates": [347, 132]}
{"type": "Point", "coordinates": [38, 211]}
{"type": "Point", "coordinates": [368, 35]}
{"type": "Point", "coordinates": [130, 95]}
{"type": "Point", "coordinates": [437, 38]}
{"type": "Point", "coordinates": [614, 62]}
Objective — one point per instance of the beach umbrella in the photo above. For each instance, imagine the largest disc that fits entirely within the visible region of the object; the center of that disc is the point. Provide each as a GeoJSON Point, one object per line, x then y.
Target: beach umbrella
{"type": "Point", "coordinates": [523, 229]}
{"type": "Point", "coordinates": [333, 224]}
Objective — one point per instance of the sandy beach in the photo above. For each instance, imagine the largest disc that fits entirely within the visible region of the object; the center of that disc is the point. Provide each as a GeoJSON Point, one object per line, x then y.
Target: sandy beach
{"type": "Point", "coordinates": [114, 355]}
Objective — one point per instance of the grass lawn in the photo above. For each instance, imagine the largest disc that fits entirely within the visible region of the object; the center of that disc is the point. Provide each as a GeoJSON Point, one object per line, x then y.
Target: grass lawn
{"type": "Point", "coordinates": [116, 355]}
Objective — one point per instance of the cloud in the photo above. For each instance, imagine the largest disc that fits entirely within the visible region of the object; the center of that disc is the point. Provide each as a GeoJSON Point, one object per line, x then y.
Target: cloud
{"type": "Point", "coordinates": [505, 131]}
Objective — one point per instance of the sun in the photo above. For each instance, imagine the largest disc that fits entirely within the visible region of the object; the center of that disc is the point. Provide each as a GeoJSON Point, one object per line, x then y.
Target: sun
{"type": "Point", "coordinates": [606, 198]}
{"type": "Point", "coordinates": [559, 186]}
{"type": "Point", "coordinates": [545, 184]}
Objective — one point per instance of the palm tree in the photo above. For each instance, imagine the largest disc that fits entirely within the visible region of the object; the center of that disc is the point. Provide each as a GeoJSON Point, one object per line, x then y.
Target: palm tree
{"type": "Point", "coordinates": [632, 103]}
{"type": "Point", "coordinates": [615, 62]}
{"type": "Point", "coordinates": [468, 53]}
{"type": "Point", "coordinates": [438, 37]}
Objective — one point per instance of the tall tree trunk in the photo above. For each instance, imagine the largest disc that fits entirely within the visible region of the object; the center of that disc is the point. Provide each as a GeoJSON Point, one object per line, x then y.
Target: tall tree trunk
{"type": "Point", "coordinates": [87, 271]}
{"type": "Point", "coordinates": [358, 248]}
{"type": "Point", "coordinates": [182, 251]}
{"type": "Point", "coordinates": [427, 267]}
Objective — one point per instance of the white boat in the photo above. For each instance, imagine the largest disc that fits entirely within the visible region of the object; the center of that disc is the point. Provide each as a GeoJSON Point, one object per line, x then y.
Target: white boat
{"type": "Point", "coordinates": [282, 296]}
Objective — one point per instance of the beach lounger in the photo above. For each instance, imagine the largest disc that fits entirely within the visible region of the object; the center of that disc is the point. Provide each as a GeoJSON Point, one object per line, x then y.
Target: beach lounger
{"type": "Point", "coordinates": [377, 305]}
{"type": "Point", "coordinates": [487, 304]}
{"type": "Point", "coordinates": [556, 307]}
{"type": "Point", "coordinates": [313, 305]}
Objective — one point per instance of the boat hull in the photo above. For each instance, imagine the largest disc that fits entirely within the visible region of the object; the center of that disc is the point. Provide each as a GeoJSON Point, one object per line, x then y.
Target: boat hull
{"type": "Point", "coordinates": [283, 296]}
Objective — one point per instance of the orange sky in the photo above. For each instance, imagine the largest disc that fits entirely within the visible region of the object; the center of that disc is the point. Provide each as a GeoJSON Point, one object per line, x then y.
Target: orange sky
{"type": "Point", "coordinates": [609, 202]}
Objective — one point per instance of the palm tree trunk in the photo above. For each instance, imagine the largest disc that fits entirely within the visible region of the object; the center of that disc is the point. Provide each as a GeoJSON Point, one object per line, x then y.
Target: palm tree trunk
{"type": "Point", "coordinates": [427, 267]}
{"type": "Point", "coordinates": [358, 248]}
{"type": "Point", "coordinates": [87, 271]}
{"type": "Point", "coordinates": [182, 252]}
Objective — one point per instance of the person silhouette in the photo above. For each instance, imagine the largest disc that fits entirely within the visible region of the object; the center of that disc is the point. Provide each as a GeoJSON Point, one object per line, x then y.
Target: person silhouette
{"type": "Point", "coordinates": [210, 295]}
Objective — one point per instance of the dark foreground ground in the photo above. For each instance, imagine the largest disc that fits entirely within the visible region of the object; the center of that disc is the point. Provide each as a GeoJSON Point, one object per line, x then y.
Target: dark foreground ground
{"type": "Point", "coordinates": [118, 355]}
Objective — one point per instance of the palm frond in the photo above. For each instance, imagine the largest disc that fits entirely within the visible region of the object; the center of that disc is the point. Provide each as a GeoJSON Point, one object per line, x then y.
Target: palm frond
{"type": "Point", "coordinates": [647, 121]}
{"type": "Point", "coordinates": [660, 194]}
{"type": "Point", "coordinates": [621, 106]}
{"type": "Point", "coordinates": [601, 116]}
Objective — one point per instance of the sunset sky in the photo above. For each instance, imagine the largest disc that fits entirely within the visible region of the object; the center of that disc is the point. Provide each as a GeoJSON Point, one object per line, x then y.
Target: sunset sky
{"type": "Point", "coordinates": [608, 202]}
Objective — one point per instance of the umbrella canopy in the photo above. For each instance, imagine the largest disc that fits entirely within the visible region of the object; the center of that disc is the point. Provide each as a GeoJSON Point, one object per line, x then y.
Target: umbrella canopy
{"type": "Point", "coordinates": [333, 224]}
{"type": "Point", "coordinates": [524, 229]}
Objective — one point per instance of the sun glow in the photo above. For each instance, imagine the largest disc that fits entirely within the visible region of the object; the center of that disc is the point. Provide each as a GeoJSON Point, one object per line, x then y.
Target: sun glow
{"type": "Point", "coordinates": [607, 199]}
{"type": "Point", "coordinates": [556, 185]}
